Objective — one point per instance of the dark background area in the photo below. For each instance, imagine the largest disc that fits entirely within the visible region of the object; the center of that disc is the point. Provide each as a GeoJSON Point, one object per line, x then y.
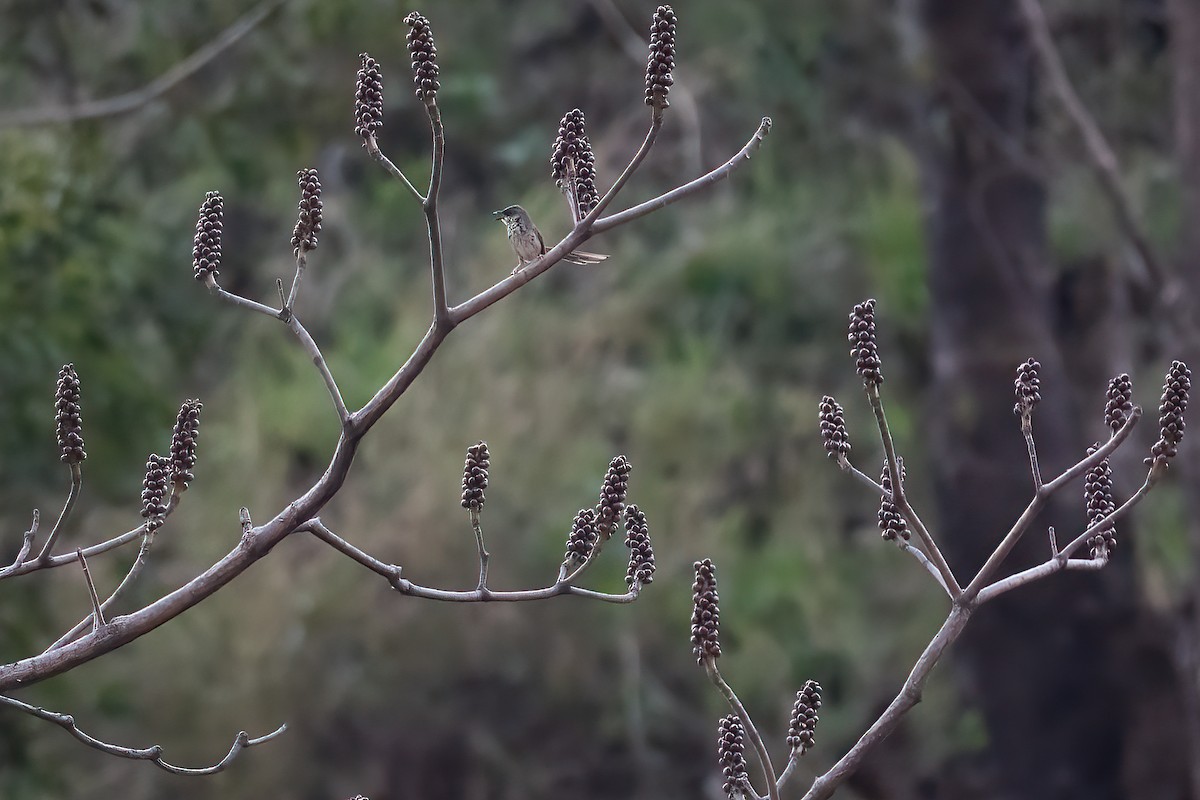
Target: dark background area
{"type": "Point", "coordinates": [917, 156]}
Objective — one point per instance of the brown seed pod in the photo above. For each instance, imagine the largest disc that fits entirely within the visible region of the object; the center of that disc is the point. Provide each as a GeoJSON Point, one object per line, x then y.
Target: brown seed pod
{"type": "Point", "coordinates": [802, 729]}
{"type": "Point", "coordinates": [154, 491]}
{"type": "Point", "coordinates": [863, 346]}
{"type": "Point", "coordinates": [1119, 402]}
{"type": "Point", "coordinates": [308, 222]}
{"type": "Point", "coordinates": [206, 246]}
{"type": "Point", "coordinates": [641, 553]}
{"type": "Point", "coordinates": [662, 58]}
{"type": "Point", "coordinates": [612, 496]}
{"type": "Point", "coordinates": [1098, 496]}
{"type": "Point", "coordinates": [572, 164]}
{"type": "Point", "coordinates": [368, 98]}
{"type": "Point", "coordinates": [68, 416]}
{"type": "Point", "coordinates": [731, 756]}
{"type": "Point", "coordinates": [475, 476]}
{"type": "Point", "coordinates": [424, 57]}
{"type": "Point", "coordinates": [1171, 408]}
{"type": "Point", "coordinates": [582, 538]}
{"type": "Point", "coordinates": [891, 521]}
{"type": "Point", "coordinates": [706, 612]}
{"type": "Point", "coordinates": [833, 428]}
{"type": "Point", "coordinates": [1027, 387]}
{"type": "Point", "coordinates": [183, 443]}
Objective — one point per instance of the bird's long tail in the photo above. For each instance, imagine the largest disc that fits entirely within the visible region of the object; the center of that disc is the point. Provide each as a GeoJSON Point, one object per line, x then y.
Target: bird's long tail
{"type": "Point", "coordinates": [584, 257]}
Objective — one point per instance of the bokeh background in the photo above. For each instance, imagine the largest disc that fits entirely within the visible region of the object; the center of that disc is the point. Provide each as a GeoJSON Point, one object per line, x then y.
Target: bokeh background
{"type": "Point", "coordinates": [917, 156]}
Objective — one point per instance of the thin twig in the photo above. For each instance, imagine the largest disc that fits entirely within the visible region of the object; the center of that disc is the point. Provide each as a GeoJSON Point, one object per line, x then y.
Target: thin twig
{"type": "Point", "coordinates": [72, 496]}
{"type": "Point", "coordinates": [33, 565]}
{"type": "Point", "coordinates": [26, 545]}
{"type": "Point", "coordinates": [1032, 574]}
{"type": "Point", "coordinates": [318, 360]}
{"type": "Point", "coordinates": [301, 262]}
{"type": "Point", "coordinates": [391, 572]}
{"type": "Point", "coordinates": [1103, 452]}
{"type": "Point", "coordinates": [152, 754]}
{"type": "Point", "coordinates": [662, 201]}
{"type": "Point", "coordinates": [627, 173]}
{"type": "Point", "coordinates": [97, 614]}
{"type": "Point", "coordinates": [441, 308]}
{"type": "Point", "coordinates": [132, 575]}
{"type": "Point", "coordinates": [1027, 432]}
{"type": "Point", "coordinates": [392, 169]}
{"type": "Point", "coordinates": [521, 595]}
{"type": "Point", "coordinates": [484, 556]}
{"type": "Point", "coordinates": [131, 101]}
{"type": "Point", "coordinates": [289, 318]}
{"type": "Point", "coordinates": [845, 466]}
{"type": "Point", "coordinates": [239, 301]}
{"type": "Point", "coordinates": [788, 771]}
{"type": "Point", "coordinates": [901, 501]}
{"type": "Point", "coordinates": [764, 758]}
{"type": "Point", "coordinates": [920, 556]}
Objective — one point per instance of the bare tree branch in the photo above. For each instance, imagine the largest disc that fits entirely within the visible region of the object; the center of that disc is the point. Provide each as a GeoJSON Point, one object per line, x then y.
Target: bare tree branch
{"type": "Point", "coordinates": [26, 546]}
{"type": "Point", "coordinates": [441, 309]}
{"type": "Point", "coordinates": [1100, 154]}
{"type": "Point", "coordinates": [484, 556]}
{"type": "Point", "coordinates": [289, 318]}
{"type": "Point", "coordinates": [72, 496]}
{"type": "Point", "coordinates": [924, 561]}
{"type": "Point", "coordinates": [1039, 500]}
{"type": "Point", "coordinates": [97, 614]}
{"type": "Point", "coordinates": [1031, 446]}
{"type": "Point", "coordinates": [662, 201]}
{"type": "Point", "coordinates": [152, 754]}
{"type": "Point", "coordinates": [131, 101]}
{"type": "Point", "coordinates": [318, 360]}
{"type": "Point", "coordinates": [481, 594]}
{"type": "Point", "coordinates": [392, 169]}
{"type": "Point", "coordinates": [301, 264]}
{"type": "Point", "coordinates": [33, 565]}
{"type": "Point", "coordinates": [1062, 559]}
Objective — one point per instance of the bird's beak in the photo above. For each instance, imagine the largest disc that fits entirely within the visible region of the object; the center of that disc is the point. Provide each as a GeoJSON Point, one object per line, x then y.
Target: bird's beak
{"type": "Point", "coordinates": [497, 215]}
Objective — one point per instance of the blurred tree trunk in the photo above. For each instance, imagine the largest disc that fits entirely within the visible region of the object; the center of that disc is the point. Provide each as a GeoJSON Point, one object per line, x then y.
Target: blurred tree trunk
{"type": "Point", "coordinates": [1185, 52]}
{"type": "Point", "coordinates": [1051, 667]}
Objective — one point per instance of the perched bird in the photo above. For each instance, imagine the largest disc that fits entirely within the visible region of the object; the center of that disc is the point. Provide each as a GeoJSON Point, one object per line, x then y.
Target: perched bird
{"type": "Point", "coordinates": [527, 242]}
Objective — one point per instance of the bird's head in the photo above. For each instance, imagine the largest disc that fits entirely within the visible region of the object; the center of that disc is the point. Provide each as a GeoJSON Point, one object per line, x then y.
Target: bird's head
{"type": "Point", "coordinates": [510, 214]}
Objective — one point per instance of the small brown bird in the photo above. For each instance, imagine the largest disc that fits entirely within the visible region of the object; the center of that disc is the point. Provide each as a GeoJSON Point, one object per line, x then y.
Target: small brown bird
{"type": "Point", "coordinates": [527, 242]}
